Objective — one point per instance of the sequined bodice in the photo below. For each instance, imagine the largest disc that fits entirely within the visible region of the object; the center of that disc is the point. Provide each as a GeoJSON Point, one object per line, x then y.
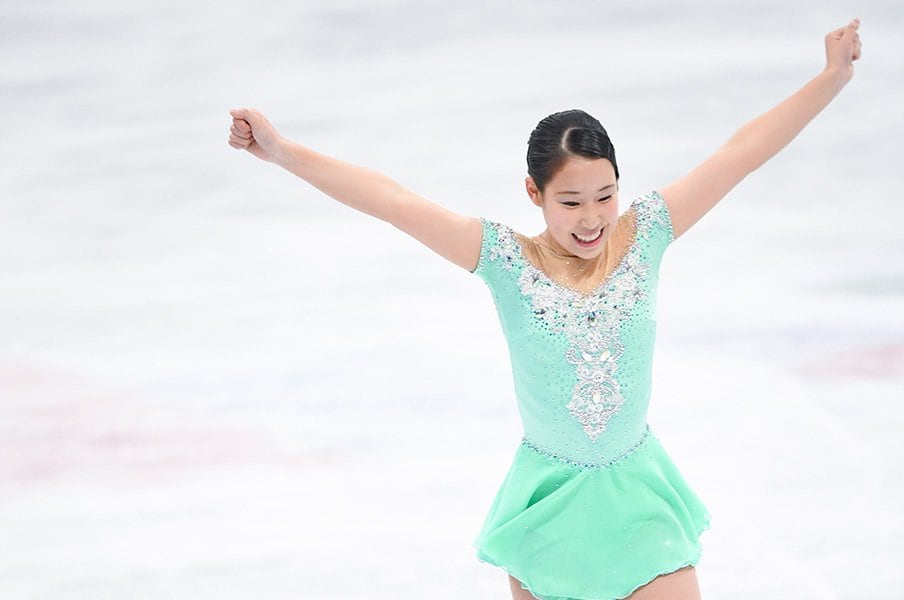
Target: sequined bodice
{"type": "Point", "coordinates": [581, 364]}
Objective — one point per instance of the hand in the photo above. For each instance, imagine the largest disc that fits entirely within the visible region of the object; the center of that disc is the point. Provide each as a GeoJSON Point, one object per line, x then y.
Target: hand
{"type": "Point", "coordinates": [252, 131]}
{"type": "Point", "coordinates": [842, 48]}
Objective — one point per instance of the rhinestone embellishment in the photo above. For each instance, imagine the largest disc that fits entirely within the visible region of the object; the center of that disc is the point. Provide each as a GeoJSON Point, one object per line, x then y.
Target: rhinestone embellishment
{"type": "Point", "coordinates": [585, 465]}
{"type": "Point", "coordinates": [590, 323]}
{"type": "Point", "coordinates": [507, 249]}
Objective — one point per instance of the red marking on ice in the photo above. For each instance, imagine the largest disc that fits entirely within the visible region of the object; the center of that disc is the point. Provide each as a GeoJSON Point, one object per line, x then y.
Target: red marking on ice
{"type": "Point", "coordinates": [877, 362]}
{"type": "Point", "coordinates": [58, 425]}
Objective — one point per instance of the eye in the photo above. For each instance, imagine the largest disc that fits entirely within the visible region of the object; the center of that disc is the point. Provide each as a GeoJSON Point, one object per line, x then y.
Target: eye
{"type": "Point", "coordinates": [606, 198]}
{"type": "Point", "coordinates": [569, 203]}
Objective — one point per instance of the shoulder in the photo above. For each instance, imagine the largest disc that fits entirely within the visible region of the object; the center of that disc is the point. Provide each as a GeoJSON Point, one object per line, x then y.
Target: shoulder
{"type": "Point", "coordinates": [651, 216]}
{"type": "Point", "coordinates": [499, 248]}
{"type": "Point", "coordinates": [646, 226]}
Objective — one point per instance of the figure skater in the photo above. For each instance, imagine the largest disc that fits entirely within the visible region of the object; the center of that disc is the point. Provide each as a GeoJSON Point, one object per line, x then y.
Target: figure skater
{"type": "Point", "coordinates": [592, 507]}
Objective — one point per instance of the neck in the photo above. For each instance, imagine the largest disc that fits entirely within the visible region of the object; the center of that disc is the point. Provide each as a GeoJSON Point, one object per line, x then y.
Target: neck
{"type": "Point", "coordinates": [549, 244]}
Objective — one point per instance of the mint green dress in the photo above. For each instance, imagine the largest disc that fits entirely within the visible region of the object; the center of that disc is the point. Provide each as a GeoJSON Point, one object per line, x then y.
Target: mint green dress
{"type": "Point", "coordinates": [592, 507]}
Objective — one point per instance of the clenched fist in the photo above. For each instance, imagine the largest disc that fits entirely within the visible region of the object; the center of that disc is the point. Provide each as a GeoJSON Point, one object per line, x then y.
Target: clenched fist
{"type": "Point", "coordinates": [843, 47]}
{"type": "Point", "coordinates": [252, 131]}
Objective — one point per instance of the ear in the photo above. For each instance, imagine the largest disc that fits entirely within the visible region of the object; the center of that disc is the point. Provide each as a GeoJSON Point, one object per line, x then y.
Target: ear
{"type": "Point", "coordinates": [533, 191]}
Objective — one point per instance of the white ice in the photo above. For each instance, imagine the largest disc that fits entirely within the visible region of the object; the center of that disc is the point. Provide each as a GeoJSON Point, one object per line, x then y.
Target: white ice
{"type": "Point", "coordinates": [217, 383]}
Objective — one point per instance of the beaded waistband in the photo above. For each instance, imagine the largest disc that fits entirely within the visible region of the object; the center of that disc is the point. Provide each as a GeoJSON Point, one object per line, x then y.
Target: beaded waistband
{"type": "Point", "coordinates": [570, 461]}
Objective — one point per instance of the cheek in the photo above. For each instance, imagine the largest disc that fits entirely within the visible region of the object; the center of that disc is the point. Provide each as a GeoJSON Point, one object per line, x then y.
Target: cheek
{"type": "Point", "coordinates": [568, 222]}
{"type": "Point", "coordinates": [557, 218]}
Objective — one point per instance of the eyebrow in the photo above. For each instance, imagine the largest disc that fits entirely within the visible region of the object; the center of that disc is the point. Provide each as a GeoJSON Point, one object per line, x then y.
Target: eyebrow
{"type": "Point", "coordinates": [599, 190]}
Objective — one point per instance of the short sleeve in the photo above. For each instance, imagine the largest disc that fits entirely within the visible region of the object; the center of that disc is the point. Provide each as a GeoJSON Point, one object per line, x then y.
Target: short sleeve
{"type": "Point", "coordinates": [654, 225]}
{"type": "Point", "coordinates": [498, 253]}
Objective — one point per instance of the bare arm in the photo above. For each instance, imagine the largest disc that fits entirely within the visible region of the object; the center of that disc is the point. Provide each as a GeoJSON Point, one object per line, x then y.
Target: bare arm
{"type": "Point", "coordinates": [692, 196]}
{"type": "Point", "coordinates": [452, 236]}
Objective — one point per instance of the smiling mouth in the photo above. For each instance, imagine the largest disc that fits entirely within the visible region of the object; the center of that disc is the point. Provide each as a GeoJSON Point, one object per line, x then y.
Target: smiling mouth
{"type": "Point", "coordinates": [588, 241]}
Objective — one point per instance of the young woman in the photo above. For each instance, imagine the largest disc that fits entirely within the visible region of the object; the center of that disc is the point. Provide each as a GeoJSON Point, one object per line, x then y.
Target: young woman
{"type": "Point", "coordinates": [592, 507]}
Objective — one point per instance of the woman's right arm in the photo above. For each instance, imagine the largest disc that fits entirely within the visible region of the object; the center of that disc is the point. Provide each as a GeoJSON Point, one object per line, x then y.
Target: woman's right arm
{"type": "Point", "coordinates": [453, 236]}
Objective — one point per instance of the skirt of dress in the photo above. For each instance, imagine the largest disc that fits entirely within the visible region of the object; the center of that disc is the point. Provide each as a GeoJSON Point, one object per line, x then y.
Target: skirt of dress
{"type": "Point", "coordinates": [571, 532]}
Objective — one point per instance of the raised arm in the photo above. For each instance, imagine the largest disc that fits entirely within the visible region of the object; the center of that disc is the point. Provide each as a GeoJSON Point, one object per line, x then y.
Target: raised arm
{"type": "Point", "coordinates": [452, 236]}
{"type": "Point", "coordinates": [692, 196]}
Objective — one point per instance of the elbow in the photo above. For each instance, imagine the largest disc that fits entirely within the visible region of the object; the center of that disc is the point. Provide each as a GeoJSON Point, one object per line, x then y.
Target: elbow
{"type": "Point", "coordinates": [742, 159]}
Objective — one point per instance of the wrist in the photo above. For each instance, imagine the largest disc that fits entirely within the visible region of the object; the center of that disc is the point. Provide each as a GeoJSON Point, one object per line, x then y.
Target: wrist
{"type": "Point", "coordinates": [839, 76]}
{"type": "Point", "coordinates": [282, 152]}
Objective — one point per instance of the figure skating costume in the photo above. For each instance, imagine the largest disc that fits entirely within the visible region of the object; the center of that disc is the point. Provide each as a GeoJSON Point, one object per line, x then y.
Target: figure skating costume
{"type": "Point", "coordinates": [592, 507]}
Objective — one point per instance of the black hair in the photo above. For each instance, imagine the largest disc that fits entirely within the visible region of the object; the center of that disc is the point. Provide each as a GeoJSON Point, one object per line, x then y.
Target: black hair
{"type": "Point", "coordinates": [563, 134]}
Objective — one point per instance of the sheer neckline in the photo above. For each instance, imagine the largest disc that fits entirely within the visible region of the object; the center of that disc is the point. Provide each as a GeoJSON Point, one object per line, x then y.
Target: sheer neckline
{"type": "Point", "coordinates": [596, 290]}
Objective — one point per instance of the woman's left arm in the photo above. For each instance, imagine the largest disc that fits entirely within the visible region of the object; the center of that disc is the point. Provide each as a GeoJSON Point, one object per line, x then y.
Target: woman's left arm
{"type": "Point", "coordinates": [692, 196]}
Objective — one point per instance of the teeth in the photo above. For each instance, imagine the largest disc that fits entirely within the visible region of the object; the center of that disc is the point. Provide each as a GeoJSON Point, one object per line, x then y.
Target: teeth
{"type": "Point", "coordinates": [588, 239]}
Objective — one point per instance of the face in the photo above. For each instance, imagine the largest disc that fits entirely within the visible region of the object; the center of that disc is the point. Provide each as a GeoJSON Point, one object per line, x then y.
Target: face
{"type": "Point", "coordinates": [580, 206]}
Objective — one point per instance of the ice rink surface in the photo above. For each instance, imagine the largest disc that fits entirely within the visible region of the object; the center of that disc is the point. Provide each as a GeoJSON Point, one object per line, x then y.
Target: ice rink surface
{"type": "Point", "coordinates": [217, 383]}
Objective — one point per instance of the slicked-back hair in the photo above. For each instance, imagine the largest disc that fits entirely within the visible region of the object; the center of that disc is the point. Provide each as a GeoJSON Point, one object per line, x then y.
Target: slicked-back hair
{"type": "Point", "coordinates": [563, 134]}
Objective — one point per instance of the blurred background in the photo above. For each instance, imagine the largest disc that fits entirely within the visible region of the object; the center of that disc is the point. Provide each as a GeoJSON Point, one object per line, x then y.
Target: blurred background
{"type": "Point", "coordinates": [216, 382]}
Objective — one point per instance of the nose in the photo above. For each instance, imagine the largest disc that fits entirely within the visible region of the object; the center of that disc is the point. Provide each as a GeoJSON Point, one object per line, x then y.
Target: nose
{"type": "Point", "coordinates": [590, 217]}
